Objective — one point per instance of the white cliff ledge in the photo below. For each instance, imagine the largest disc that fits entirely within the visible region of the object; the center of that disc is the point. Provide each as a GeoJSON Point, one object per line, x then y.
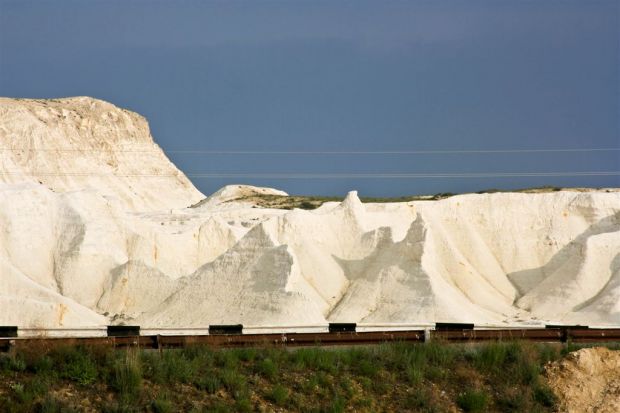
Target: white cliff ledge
{"type": "Point", "coordinates": [111, 242]}
{"type": "Point", "coordinates": [80, 143]}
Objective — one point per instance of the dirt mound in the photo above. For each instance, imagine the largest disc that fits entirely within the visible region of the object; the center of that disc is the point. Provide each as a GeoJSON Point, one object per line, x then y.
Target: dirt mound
{"type": "Point", "coordinates": [587, 381]}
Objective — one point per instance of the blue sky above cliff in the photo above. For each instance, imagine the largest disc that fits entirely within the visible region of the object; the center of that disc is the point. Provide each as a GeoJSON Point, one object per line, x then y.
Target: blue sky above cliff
{"type": "Point", "coordinates": [340, 76]}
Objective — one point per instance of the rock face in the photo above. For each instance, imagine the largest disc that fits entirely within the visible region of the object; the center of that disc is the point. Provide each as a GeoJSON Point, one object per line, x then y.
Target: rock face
{"type": "Point", "coordinates": [587, 381]}
{"type": "Point", "coordinates": [98, 237]}
{"type": "Point", "coordinates": [82, 143]}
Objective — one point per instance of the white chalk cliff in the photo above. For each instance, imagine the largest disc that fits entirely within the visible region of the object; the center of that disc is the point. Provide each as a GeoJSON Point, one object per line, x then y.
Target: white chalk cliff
{"type": "Point", "coordinates": [96, 227]}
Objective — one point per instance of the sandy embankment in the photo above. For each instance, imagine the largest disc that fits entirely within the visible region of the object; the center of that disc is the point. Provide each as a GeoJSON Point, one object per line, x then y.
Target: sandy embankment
{"type": "Point", "coordinates": [587, 381]}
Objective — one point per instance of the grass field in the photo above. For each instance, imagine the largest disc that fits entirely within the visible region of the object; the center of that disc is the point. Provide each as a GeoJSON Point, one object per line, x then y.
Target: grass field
{"type": "Point", "coordinates": [398, 377]}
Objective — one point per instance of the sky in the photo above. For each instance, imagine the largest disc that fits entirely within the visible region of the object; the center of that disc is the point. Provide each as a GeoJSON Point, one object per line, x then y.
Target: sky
{"type": "Point", "coordinates": [350, 80]}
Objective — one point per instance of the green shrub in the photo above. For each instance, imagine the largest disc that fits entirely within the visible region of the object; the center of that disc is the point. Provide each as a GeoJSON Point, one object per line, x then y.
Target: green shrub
{"type": "Point", "coordinates": [297, 402]}
{"type": "Point", "coordinates": [337, 405]}
{"type": "Point", "coordinates": [208, 382]}
{"type": "Point", "coordinates": [116, 407]}
{"type": "Point", "coordinates": [16, 363]}
{"type": "Point", "coordinates": [512, 399]}
{"type": "Point", "coordinates": [545, 396]}
{"type": "Point", "coordinates": [442, 195]}
{"type": "Point", "coordinates": [43, 365]}
{"type": "Point", "coordinates": [365, 382]}
{"type": "Point", "coordinates": [472, 401]}
{"type": "Point", "coordinates": [226, 359]}
{"type": "Point", "coordinates": [51, 405]}
{"type": "Point", "coordinates": [243, 405]}
{"type": "Point", "coordinates": [570, 347]}
{"type": "Point", "coordinates": [267, 368]}
{"type": "Point", "coordinates": [19, 364]}
{"type": "Point", "coordinates": [436, 373]}
{"type": "Point", "coordinates": [440, 354]}
{"type": "Point", "coordinates": [219, 407]}
{"type": "Point", "coordinates": [364, 403]}
{"type": "Point", "coordinates": [491, 357]}
{"type": "Point", "coordinates": [127, 379]}
{"type": "Point", "coordinates": [315, 358]}
{"type": "Point", "coordinates": [178, 367]}
{"type": "Point", "coordinates": [369, 368]}
{"type": "Point", "coordinates": [278, 395]}
{"type": "Point", "coordinates": [528, 372]}
{"type": "Point", "coordinates": [193, 352]}
{"type": "Point", "coordinates": [173, 366]}
{"type": "Point", "coordinates": [417, 355]}
{"type": "Point", "coordinates": [381, 386]}
{"type": "Point", "coordinates": [547, 353]}
{"type": "Point", "coordinates": [246, 354]}
{"type": "Point", "coordinates": [323, 379]}
{"type": "Point", "coordinates": [311, 384]}
{"type": "Point", "coordinates": [395, 355]}
{"type": "Point", "coordinates": [414, 375]}
{"type": "Point", "coordinates": [161, 405]}
{"type": "Point", "coordinates": [235, 383]}
{"type": "Point", "coordinates": [418, 400]}
{"type": "Point", "coordinates": [307, 205]}
{"type": "Point", "coordinates": [76, 364]}
{"type": "Point", "coordinates": [347, 386]}
{"type": "Point", "coordinates": [38, 386]}
{"type": "Point", "coordinates": [21, 393]}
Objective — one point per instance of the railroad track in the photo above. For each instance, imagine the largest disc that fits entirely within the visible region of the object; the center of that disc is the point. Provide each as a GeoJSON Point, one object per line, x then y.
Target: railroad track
{"type": "Point", "coordinates": [560, 334]}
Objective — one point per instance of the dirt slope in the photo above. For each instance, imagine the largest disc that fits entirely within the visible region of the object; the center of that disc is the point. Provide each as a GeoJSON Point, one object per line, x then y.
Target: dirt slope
{"type": "Point", "coordinates": [587, 381]}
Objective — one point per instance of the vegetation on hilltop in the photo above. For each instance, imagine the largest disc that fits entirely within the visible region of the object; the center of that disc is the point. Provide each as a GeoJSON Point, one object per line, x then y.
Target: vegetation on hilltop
{"type": "Point", "coordinates": [313, 202]}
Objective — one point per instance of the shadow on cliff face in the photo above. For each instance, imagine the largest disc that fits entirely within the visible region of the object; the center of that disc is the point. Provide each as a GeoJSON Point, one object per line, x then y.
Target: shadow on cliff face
{"type": "Point", "coordinates": [611, 284]}
{"type": "Point", "coordinates": [569, 258]}
{"type": "Point", "coordinates": [390, 270]}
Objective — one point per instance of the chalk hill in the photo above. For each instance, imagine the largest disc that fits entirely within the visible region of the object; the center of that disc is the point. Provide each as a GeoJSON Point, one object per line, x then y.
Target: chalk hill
{"type": "Point", "coordinates": [108, 230]}
{"type": "Point", "coordinates": [80, 143]}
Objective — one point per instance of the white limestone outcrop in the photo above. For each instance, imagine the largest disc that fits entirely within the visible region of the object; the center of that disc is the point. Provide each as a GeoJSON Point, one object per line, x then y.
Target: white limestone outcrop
{"type": "Point", "coordinates": [109, 242]}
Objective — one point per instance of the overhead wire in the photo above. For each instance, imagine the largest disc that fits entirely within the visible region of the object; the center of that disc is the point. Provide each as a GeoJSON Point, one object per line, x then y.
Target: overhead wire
{"type": "Point", "coordinates": [392, 152]}
{"type": "Point", "coordinates": [319, 152]}
{"type": "Point", "coordinates": [286, 175]}
{"type": "Point", "coordinates": [281, 175]}
{"type": "Point", "coordinates": [402, 175]}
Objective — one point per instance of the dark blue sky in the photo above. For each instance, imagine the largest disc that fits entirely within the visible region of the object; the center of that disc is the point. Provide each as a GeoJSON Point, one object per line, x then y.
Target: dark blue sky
{"type": "Point", "coordinates": [340, 76]}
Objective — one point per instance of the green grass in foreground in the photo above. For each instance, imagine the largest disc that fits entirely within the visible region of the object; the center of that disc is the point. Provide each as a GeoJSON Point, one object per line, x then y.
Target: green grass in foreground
{"type": "Point", "coordinates": [432, 377]}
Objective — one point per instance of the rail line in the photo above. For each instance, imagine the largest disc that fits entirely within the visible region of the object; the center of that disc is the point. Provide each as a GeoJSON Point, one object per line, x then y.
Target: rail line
{"type": "Point", "coordinates": [559, 334]}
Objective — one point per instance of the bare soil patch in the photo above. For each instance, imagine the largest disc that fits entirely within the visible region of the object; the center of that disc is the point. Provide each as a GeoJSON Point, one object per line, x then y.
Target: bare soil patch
{"type": "Point", "coordinates": [587, 381]}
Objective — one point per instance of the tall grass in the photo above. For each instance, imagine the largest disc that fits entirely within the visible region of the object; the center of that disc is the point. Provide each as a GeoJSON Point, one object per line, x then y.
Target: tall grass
{"type": "Point", "coordinates": [127, 377]}
{"type": "Point", "coordinates": [473, 401]}
{"type": "Point", "coordinates": [499, 376]}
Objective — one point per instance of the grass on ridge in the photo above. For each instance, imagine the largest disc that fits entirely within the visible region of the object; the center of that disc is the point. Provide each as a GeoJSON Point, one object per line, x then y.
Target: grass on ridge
{"type": "Point", "coordinates": [313, 202]}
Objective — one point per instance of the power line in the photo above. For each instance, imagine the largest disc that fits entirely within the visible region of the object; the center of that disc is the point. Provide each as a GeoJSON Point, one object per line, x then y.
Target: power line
{"type": "Point", "coordinates": [331, 175]}
{"type": "Point", "coordinates": [311, 152]}
{"type": "Point", "coordinates": [79, 150]}
{"type": "Point", "coordinates": [404, 175]}
{"type": "Point", "coordinates": [392, 152]}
